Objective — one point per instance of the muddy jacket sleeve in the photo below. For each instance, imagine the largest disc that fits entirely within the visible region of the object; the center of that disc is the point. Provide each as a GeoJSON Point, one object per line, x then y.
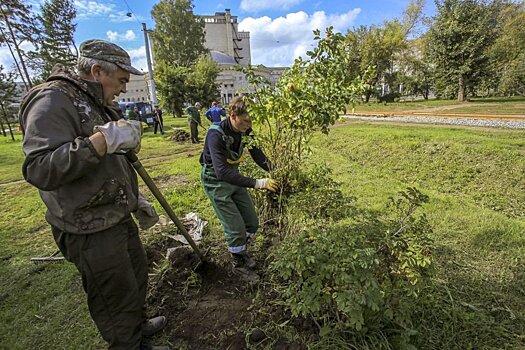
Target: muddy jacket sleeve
{"type": "Point", "coordinates": [56, 142]}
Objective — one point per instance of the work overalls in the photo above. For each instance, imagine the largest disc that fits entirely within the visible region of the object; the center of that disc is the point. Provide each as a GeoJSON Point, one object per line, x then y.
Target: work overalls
{"type": "Point", "coordinates": [232, 203]}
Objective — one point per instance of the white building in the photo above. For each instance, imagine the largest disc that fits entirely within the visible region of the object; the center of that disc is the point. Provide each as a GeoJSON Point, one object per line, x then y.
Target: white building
{"type": "Point", "coordinates": [137, 90]}
{"type": "Point", "coordinates": [230, 48]}
{"type": "Point", "coordinates": [222, 34]}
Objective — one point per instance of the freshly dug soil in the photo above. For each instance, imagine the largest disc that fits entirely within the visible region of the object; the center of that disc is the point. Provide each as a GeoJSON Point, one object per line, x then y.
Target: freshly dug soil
{"type": "Point", "coordinates": [180, 135]}
{"type": "Point", "coordinates": [211, 308]}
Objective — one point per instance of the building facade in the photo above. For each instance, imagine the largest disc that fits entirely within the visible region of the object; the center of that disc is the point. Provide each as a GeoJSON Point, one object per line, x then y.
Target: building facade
{"type": "Point", "coordinates": [230, 48]}
{"type": "Point", "coordinates": [137, 90]}
{"type": "Point", "coordinates": [222, 34]}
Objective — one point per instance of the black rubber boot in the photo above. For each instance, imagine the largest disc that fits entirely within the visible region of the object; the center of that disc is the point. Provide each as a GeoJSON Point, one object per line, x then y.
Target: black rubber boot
{"type": "Point", "coordinates": [241, 269]}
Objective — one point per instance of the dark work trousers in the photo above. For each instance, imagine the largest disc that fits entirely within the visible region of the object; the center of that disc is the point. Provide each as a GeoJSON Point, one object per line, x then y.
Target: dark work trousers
{"type": "Point", "coordinates": [194, 131]}
{"type": "Point", "coordinates": [158, 124]}
{"type": "Point", "coordinates": [114, 272]}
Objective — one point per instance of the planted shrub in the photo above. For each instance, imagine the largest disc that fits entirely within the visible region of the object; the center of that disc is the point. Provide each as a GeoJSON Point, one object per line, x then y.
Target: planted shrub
{"type": "Point", "coordinates": [360, 277]}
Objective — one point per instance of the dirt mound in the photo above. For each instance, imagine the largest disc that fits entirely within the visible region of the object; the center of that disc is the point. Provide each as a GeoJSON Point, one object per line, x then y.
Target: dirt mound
{"type": "Point", "coordinates": [180, 136]}
{"type": "Point", "coordinates": [210, 308]}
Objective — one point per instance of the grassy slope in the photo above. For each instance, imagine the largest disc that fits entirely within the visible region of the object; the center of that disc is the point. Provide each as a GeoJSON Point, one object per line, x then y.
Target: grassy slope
{"type": "Point", "coordinates": [476, 183]}
{"type": "Point", "coordinates": [475, 180]}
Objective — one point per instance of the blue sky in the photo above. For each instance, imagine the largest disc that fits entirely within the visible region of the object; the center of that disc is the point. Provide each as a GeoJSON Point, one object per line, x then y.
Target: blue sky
{"type": "Point", "coordinates": [280, 30]}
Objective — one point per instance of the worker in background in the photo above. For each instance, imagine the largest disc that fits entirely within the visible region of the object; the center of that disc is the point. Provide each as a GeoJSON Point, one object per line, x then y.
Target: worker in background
{"type": "Point", "coordinates": [194, 121]}
{"type": "Point", "coordinates": [159, 122]}
{"type": "Point", "coordinates": [215, 114]}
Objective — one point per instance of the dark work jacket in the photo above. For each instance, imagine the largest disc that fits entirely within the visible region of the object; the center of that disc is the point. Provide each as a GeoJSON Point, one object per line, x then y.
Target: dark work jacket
{"type": "Point", "coordinates": [215, 154]}
{"type": "Point", "coordinates": [83, 192]}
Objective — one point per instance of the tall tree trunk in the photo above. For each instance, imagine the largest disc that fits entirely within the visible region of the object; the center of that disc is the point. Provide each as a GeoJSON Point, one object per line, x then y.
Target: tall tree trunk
{"type": "Point", "coordinates": [15, 60]}
{"type": "Point", "coordinates": [2, 127]}
{"type": "Point", "coordinates": [367, 96]}
{"type": "Point", "coordinates": [462, 89]}
{"type": "Point", "coordinates": [6, 19]}
{"type": "Point", "coordinates": [7, 121]}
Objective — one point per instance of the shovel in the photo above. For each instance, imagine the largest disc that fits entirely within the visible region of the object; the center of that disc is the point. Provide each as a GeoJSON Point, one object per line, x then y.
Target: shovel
{"type": "Point", "coordinates": [135, 162]}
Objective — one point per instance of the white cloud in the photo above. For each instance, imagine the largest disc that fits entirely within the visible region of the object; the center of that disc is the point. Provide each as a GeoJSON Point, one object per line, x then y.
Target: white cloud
{"type": "Point", "coordinates": [112, 36]}
{"type": "Point", "coordinates": [138, 58]}
{"type": "Point", "coordinates": [86, 8]}
{"type": "Point", "coordinates": [7, 61]}
{"type": "Point", "coordinates": [277, 42]}
{"type": "Point", "coordinates": [129, 35]}
{"type": "Point", "coordinates": [89, 8]}
{"type": "Point", "coordinates": [258, 5]}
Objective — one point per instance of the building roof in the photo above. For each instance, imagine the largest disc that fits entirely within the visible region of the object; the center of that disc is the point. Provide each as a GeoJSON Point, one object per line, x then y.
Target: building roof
{"type": "Point", "coordinates": [222, 58]}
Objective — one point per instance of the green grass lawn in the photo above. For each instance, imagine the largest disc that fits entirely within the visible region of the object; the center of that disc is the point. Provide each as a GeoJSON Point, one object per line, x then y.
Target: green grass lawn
{"type": "Point", "coordinates": [490, 106]}
{"type": "Point", "coordinates": [475, 180]}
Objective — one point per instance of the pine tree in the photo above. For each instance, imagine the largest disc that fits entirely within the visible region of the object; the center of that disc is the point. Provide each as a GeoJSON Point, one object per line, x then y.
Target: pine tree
{"type": "Point", "coordinates": [17, 26]}
{"type": "Point", "coordinates": [7, 93]}
{"type": "Point", "coordinates": [58, 45]}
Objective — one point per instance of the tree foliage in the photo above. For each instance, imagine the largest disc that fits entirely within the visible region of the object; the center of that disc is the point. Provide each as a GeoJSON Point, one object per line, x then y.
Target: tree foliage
{"type": "Point", "coordinates": [7, 93]}
{"type": "Point", "coordinates": [58, 45]}
{"type": "Point", "coordinates": [180, 85]}
{"type": "Point", "coordinates": [459, 38]}
{"type": "Point", "coordinates": [170, 84]}
{"type": "Point", "coordinates": [183, 72]}
{"type": "Point", "coordinates": [381, 46]}
{"type": "Point", "coordinates": [310, 96]}
{"type": "Point", "coordinates": [202, 81]}
{"type": "Point", "coordinates": [508, 52]}
{"type": "Point", "coordinates": [178, 36]}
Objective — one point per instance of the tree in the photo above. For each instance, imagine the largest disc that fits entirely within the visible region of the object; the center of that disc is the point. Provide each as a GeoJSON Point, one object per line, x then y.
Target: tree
{"type": "Point", "coordinates": [16, 27]}
{"type": "Point", "coordinates": [459, 38]}
{"type": "Point", "coordinates": [415, 70]}
{"type": "Point", "coordinates": [507, 54]}
{"type": "Point", "coordinates": [183, 72]}
{"type": "Point", "coordinates": [7, 93]}
{"type": "Point", "coordinates": [178, 36]}
{"type": "Point", "coordinates": [170, 84]}
{"type": "Point", "coordinates": [58, 45]}
{"type": "Point", "coordinates": [380, 46]}
{"type": "Point", "coordinates": [202, 81]}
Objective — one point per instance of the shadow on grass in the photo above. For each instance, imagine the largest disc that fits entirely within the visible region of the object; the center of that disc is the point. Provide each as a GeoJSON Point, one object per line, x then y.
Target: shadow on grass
{"type": "Point", "coordinates": [498, 99]}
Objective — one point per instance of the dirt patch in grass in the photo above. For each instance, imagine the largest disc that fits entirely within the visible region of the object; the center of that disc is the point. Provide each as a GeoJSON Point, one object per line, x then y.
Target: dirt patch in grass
{"type": "Point", "coordinates": [211, 308]}
{"type": "Point", "coordinates": [165, 181]}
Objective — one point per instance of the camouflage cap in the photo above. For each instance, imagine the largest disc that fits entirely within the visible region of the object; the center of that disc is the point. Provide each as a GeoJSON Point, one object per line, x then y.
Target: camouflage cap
{"type": "Point", "coordinates": [105, 51]}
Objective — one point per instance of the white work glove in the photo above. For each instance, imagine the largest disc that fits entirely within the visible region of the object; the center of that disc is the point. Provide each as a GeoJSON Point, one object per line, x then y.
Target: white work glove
{"type": "Point", "coordinates": [145, 214]}
{"type": "Point", "coordinates": [121, 135]}
{"type": "Point", "coordinates": [266, 184]}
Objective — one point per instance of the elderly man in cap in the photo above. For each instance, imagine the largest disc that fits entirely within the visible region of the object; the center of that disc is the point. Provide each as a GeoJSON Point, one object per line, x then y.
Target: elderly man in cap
{"type": "Point", "coordinates": [73, 143]}
{"type": "Point", "coordinates": [194, 120]}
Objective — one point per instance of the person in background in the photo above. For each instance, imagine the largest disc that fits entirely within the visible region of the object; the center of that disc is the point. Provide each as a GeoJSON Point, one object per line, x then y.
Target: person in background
{"type": "Point", "coordinates": [73, 146]}
{"type": "Point", "coordinates": [159, 122]}
{"type": "Point", "coordinates": [226, 187]}
{"type": "Point", "coordinates": [215, 114]}
{"type": "Point", "coordinates": [131, 113]}
{"type": "Point", "coordinates": [194, 120]}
